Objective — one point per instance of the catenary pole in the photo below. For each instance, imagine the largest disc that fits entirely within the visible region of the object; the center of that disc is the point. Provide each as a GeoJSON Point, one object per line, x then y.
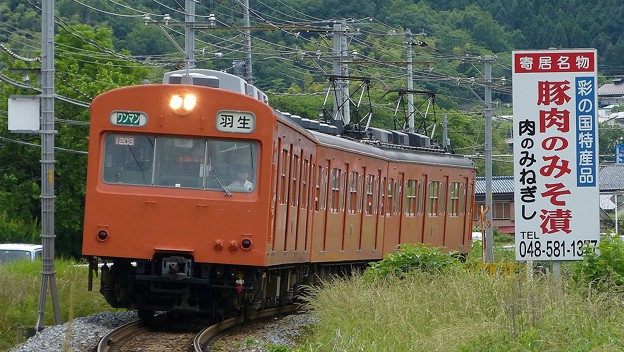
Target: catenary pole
{"type": "Point", "coordinates": [48, 275]}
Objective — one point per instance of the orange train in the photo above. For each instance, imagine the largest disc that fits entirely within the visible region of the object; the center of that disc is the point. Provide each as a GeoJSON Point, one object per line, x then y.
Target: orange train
{"type": "Point", "coordinates": [200, 196]}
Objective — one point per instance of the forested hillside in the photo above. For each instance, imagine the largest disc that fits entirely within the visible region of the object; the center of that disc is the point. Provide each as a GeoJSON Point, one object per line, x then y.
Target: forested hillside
{"type": "Point", "coordinates": [103, 44]}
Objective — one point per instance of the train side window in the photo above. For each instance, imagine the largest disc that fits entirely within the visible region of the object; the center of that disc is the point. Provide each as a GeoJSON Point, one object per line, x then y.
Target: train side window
{"type": "Point", "coordinates": [442, 197]}
{"type": "Point", "coordinates": [294, 177]}
{"type": "Point", "coordinates": [334, 192]}
{"type": "Point", "coordinates": [398, 196]}
{"type": "Point", "coordinates": [305, 183]}
{"type": "Point", "coordinates": [128, 159]}
{"type": "Point", "coordinates": [317, 188]}
{"type": "Point", "coordinates": [432, 205]}
{"type": "Point", "coordinates": [421, 196]}
{"type": "Point", "coordinates": [352, 196]}
{"type": "Point", "coordinates": [462, 199]}
{"type": "Point", "coordinates": [370, 187]}
{"type": "Point", "coordinates": [324, 182]}
{"type": "Point", "coordinates": [382, 196]}
{"type": "Point", "coordinates": [360, 191]}
{"type": "Point", "coordinates": [410, 198]}
{"type": "Point", "coordinates": [453, 202]}
{"type": "Point", "coordinates": [283, 182]}
{"type": "Point", "coordinates": [389, 197]}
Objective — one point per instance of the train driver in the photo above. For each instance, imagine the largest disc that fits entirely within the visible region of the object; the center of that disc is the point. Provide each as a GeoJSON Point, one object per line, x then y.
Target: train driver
{"type": "Point", "coordinates": [242, 182]}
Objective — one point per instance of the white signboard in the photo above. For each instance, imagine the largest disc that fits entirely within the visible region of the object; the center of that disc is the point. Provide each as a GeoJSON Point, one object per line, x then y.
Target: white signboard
{"type": "Point", "coordinates": [555, 153]}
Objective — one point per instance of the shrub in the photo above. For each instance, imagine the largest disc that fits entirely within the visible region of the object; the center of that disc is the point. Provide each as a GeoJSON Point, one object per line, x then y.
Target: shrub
{"type": "Point", "coordinates": [413, 257]}
{"type": "Point", "coordinates": [604, 268]}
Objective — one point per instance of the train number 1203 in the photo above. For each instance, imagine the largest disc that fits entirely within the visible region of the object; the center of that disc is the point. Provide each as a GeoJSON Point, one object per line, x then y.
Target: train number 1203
{"type": "Point", "coordinates": [121, 140]}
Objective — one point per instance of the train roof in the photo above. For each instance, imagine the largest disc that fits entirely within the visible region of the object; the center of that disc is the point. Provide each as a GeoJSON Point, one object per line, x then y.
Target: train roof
{"type": "Point", "coordinates": [396, 154]}
{"type": "Point", "coordinates": [372, 146]}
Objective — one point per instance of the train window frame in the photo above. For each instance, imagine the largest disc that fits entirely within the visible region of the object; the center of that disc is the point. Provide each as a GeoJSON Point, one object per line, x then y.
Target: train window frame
{"type": "Point", "coordinates": [334, 190]}
{"type": "Point", "coordinates": [187, 162]}
{"type": "Point", "coordinates": [352, 196]}
{"type": "Point", "coordinates": [453, 202]}
{"type": "Point", "coordinates": [294, 178]}
{"type": "Point", "coordinates": [305, 183]}
{"type": "Point", "coordinates": [410, 197]}
{"type": "Point", "coordinates": [398, 196]}
{"type": "Point", "coordinates": [283, 173]}
{"type": "Point", "coordinates": [462, 199]}
{"type": "Point", "coordinates": [433, 203]}
{"type": "Point", "coordinates": [369, 190]}
{"type": "Point", "coordinates": [389, 196]}
{"type": "Point", "coordinates": [382, 196]}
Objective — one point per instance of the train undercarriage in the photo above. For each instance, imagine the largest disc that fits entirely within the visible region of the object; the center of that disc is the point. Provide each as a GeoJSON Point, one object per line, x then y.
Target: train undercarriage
{"type": "Point", "coordinates": [176, 282]}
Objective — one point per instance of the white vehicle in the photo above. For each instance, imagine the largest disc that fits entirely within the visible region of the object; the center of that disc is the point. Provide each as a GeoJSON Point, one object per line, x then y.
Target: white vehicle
{"type": "Point", "coordinates": [19, 251]}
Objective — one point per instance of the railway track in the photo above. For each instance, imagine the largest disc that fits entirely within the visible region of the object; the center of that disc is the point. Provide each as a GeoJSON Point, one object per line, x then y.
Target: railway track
{"type": "Point", "coordinates": [170, 333]}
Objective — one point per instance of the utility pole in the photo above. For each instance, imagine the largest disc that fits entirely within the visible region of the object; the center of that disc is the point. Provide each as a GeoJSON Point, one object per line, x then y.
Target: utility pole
{"type": "Point", "coordinates": [489, 249]}
{"type": "Point", "coordinates": [189, 34]}
{"type": "Point", "coordinates": [48, 275]}
{"type": "Point", "coordinates": [248, 68]}
{"type": "Point", "coordinates": [410, 81]}
{"type": "Point", "coordinates": [342, 109]}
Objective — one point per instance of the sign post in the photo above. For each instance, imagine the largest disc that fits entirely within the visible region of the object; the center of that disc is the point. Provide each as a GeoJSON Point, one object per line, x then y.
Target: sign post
{"type": "Point", "coordinates": [555, 154]}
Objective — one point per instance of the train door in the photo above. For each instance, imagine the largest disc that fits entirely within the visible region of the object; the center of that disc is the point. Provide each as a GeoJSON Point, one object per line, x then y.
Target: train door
{"type": "Point", "coordinates": [293, 201]}
{"type": "Point", "coordinates": [368, 229]}
{"type": "Point", "coordinates": [411, 226]}
{"type": "Point", "coordinates": [281, 209]}
{"type": "Point", "coordinates": [319, 236]}
{"type": "Point", "coordinates": [447, 239]}
{"type": "Point", "coordinates": [381, 213]}
{"type": "Point", "coordinates": [352, 231]}
{"type": "Point", "coordinates": [302, 217]}
{"type": "Point", "coordinates": [392, 225]}
{"type": "Point", "coordinates": [334, 224]}
{"type": "Point", "coordinates": [431, 211]}
{"type": "Point", "coordinates": [455, 233]}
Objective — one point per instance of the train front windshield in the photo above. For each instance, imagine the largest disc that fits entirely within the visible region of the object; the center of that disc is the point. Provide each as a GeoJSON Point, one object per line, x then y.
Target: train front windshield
{"type": "Point", "coordinates": [166, 161]}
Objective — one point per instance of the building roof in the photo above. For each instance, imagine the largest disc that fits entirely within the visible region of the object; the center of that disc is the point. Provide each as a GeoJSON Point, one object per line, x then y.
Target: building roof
{"type": "Point", "coordinates": [500, 184]}
{"type": "Point", "coordinates": [611, 89]}
{"type": "Point", "coordinates": [611, 178]}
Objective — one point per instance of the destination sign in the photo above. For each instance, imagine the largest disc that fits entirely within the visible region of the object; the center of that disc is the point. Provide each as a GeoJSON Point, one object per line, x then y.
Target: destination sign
{"type": "Point", "coordinates": [236, 122]}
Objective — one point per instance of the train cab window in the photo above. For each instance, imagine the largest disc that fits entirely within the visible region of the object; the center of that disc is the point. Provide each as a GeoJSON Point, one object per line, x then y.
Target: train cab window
{"type": "Point", "coordinates": [231, 164]}
{"type": "Point", "coordinates": [128, 159]}
{"type": "Point", "coordinates": [180, 162]}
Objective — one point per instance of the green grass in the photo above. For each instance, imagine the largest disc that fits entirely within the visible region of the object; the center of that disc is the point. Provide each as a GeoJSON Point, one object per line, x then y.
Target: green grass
{"type": "Point", "coordinates": [464, 311]}
{"type": "Point", "coordinates": [468, 310]}
{"type": "Point", "coordinates": [20, 286]}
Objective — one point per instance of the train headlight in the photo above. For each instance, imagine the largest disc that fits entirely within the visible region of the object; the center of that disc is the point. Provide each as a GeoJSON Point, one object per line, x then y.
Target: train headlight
{"type": "Point", "coordinates": [102, 235]}
{"type": "Point", "coordinates": [183, 103]}
{"type": "Point", "coordinates": [246, 244]}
